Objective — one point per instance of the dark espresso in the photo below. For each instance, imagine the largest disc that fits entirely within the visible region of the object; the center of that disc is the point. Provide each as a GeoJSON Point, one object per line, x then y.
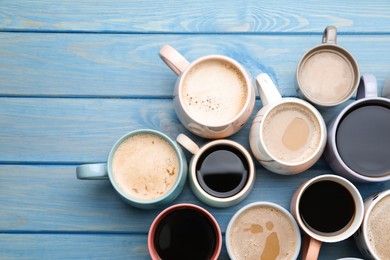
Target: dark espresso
{"type": "Point", "coordinates": [222, 171]}
{"type": "Point", "coordinates": [363, 140]}
{"type": "Point", "coordinates": [185, 234]}
{"type": "Point", "coordinates": [327, 207]}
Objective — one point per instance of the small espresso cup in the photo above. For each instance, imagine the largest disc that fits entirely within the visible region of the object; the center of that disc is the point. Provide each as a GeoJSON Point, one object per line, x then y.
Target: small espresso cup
{"type": "Point", "coordinates": [359, 136]}
{"type": "Point", "coordinates": [263, 230]}
{"type": "Point", "coordinates": [221, 172]}
{"type": "Point", "coordinates": [287, 135]}
{"type": "Point", "coordinates": [184, 231]}
{"type": "Point", "coordinates": [214, 96]}
{"type": "Point", "coordinates": [328, 208]}
{"type": "Point", "coordinates": [327, 75]}
{"type": "Point", "coordinates": [146, 168]}
{"type": "Point", "coordinates": [373, 236]}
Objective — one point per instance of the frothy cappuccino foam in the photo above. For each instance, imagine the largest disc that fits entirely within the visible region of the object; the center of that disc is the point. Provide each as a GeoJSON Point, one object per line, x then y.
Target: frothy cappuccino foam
{"type": "Point", "coordinates": [291, 132]}
{"type": "Point", "coordinates": [262, 232]}
{"type": "Point", "coordinates": [145, 166]}
{"type": "Point", "coordinates": [214, 92]}
{"type": "Point", "coordinates": [378, 227]}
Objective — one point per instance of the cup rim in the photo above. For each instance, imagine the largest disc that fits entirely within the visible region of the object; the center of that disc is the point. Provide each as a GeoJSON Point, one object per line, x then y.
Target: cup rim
{"type": "Point", "coordinates": [379, 196]}
{"type": "Point", "coordinates": [332, 139]}
{"type": "Point", "coordinates": [314, 112]}
{"type": "Point", "coordinates": [180, 206]}
{"type": "Point", "coordinates": [334, 48]}
{"type": "Point", "coordinates": [228, 201]}
{"type": "Point", "coordinates": [146, 202]}
{"type": "Point", "coordinates": [262, 204]}
{"type": "Point", "coordinates": [244, 73]}
{"type": "Point", "coordinates": [353, 225]}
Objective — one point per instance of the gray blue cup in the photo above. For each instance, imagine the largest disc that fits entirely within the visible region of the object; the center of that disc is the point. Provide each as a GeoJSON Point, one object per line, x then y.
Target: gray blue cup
{"type": "Point", "coordinates": [145, 167]}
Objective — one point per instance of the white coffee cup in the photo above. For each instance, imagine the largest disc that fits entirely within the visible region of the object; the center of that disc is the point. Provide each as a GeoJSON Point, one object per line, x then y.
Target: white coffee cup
{"type": "Point", "coordinates": [214, 96]}
{"type": "Point", "coordinates": [328, 208]}
{"type": "Point", "coordinates": [288, 135]}
{"type": "Point", "coordinates": [263, 230]}
{"type": "Point", "coordinates": [373, 236]}
{"type": "Point", "coordinates": [221, 172]}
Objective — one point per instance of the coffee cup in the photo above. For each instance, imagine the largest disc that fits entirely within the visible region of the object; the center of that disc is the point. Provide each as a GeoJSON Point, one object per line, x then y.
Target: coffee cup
{"type": "Point", "coordinates": [327, 74]}
{"type": "Point", "coordinates": [287, 135]}
{"type": "Point", "coordinates": [221, 172]}
{"type": "Point", "coordinates": [328, 208]}
{"type": "Point", "coordinates": [214, 96]}
{"type": "Point", "coordinates": [184, 231]}
{"type": "Point", "coordinates": [263, 230]}
{"type": "Point", "coordinates": [359, 136]}
{"type": "Point", "coordinates": [373, 236]}
{"type": "Point", "coordinates": [145, 167]}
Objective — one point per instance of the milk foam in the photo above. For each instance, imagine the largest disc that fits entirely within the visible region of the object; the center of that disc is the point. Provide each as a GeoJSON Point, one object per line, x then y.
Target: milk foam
{"type": "Point", "coordinates": [327, 77]}
{"type": "Point", "coordinates": [214, 92]}
{"type": "Point", "coordinates": [145, 166]}
{"type": "Point", "coordinates": [262, 232]}
{"type": "Point", "coordinates": [378, 226]}
{"type": "Point", "coordinates": [291, 133]}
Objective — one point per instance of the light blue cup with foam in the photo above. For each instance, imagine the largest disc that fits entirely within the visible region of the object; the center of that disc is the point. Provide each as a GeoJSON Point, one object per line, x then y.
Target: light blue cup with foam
{"type": "Point", "coordinates": [142, 150]}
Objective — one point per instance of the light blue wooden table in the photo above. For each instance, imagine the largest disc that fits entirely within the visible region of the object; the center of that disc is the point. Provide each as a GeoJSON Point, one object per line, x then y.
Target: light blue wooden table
{"type": "Point", "coordinates": [77, 75]}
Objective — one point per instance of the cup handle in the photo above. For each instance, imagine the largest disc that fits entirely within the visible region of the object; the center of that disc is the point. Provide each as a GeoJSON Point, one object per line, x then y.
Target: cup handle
{"type": "Point", "coordinates": [367, 87]}
{"type": "Point", "coordinates": [330, 35]}
{"type": "Point", "coordinates": [311, 248]}
{"type": "Point", "coordinates": [96, 171]}
{"type": "Point", "coordinates": [187, 143]}
{"type": "Point", "coordinates": [267, 90]}
{"type": "Point", "coordinates": [175, 61]}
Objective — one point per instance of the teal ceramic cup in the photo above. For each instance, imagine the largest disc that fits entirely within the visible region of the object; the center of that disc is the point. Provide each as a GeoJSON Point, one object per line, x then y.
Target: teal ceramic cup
{"type": "Point", "coordinates": [145, 167]}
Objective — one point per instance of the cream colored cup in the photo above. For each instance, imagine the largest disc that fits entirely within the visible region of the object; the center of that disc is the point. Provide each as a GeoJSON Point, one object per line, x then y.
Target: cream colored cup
{"type": "Point", "coordinates": [288, 135]}
{"type": "Point", "coordinates": [214, 96]}
{"type": "Point", "coordinates": [327, 75]}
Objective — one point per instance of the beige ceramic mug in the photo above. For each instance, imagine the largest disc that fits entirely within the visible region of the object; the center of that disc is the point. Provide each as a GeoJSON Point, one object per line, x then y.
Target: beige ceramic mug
{"type": "Point", "coordinates": [327, 75]}
{"type": "Point", "coordinates": [214, 96]}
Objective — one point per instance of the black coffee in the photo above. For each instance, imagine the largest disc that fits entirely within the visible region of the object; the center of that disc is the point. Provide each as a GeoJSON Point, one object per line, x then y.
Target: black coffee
{"type": "Point", "coordinates": [327, 207]}
{"type": "Point", "coordinates": [185, 234]}
{"type": "Point", "coordinates": [222, 171]}
{"type": "Point", "coordinates": [363, 140]}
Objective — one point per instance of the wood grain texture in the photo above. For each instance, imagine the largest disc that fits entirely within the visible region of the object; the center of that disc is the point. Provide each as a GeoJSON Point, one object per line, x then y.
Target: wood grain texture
{"type": "Point", "coordinates": [105, 65]}
{"type": "Point", "coordinates": [195, 16]}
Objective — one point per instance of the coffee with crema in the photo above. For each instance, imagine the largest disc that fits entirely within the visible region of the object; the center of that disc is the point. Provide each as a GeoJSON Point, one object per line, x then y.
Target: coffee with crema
{"type": "Point", "coordinates": [291, 132]}
{"type": "Point", "coordinates": [145, 166]}
{"type": "Point", "coordinates": [262, 232]}
{"type": "Point", "coordinates": [378, 227]}
{"type": "Point", "coordinates": [327, 77]}
{"type": "Point", "coordinates": [214, 92]}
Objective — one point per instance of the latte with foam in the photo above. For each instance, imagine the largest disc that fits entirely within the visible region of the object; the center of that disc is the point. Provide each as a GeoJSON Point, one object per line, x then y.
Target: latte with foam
{"type": "Point", "coordinates": [262, 232]}
{"type": "Point", "coordinates": [145, 166]}
{"type": "Point", "coordinates": [291, 132]}
{"type": "Point", "coordinates": [214, 92]}
{"type": "Point", "coordinates": [327, 77]}
{"type": "Point", "coordinates": [378, 228]}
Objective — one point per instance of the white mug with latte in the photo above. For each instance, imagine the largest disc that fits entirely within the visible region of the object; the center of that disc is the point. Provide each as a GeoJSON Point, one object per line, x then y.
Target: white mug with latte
{"type": "Point", "coordinates": [288, 135]}
{"type": "Point", "coordinates": [373, 236]}
{"type": "Point", "coordinates": [214, 96]}
{"type": "Point", "coordinates": [146, 168]}
{"type": "Point", "coordinates": [263, 230]}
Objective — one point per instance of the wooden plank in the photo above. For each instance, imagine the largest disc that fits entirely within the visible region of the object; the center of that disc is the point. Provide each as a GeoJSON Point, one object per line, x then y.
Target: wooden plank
{"type": "Point", "coordinates": [50, 199]}
{"type": "Point", "coordinates": [78, 130]}
{"type": "Point", "coordinates": [106, 65]}
{"type": "Point", "coordinates": [195, 16]}
{"type": "Point", "coordinates": [113, 246]}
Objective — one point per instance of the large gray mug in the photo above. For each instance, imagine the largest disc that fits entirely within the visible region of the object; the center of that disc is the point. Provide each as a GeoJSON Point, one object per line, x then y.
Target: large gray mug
{"type": "Point", "coordinates": [359, 136]}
